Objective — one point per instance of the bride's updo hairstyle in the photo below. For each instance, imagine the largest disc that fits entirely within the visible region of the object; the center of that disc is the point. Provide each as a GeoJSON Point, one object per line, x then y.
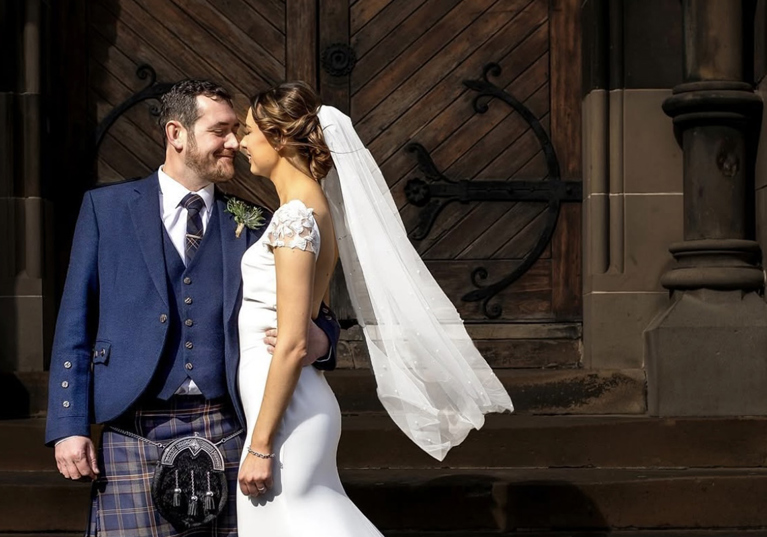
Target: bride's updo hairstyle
{"type": "Point", "coordinates": [287, 116]}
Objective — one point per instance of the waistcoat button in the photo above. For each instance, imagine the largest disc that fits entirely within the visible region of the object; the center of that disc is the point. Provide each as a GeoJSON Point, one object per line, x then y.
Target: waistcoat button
{"type": "Point", "coordinates": [163, 318]}
{"type": "Point", "coordinates": [189, 322]}
{"type": "Point", "coordinates": [187, 280]}
{"type": "Point", "coordinates": [189, 367]}
{"type": "Point", "coordinates": [188, 345]}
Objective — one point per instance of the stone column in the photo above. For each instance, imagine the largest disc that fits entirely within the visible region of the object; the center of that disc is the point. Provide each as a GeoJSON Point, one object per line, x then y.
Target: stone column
{"type": "Point", "coordinates": [26, 304]}
{"type": "Point", "coordinates": [706, 354]}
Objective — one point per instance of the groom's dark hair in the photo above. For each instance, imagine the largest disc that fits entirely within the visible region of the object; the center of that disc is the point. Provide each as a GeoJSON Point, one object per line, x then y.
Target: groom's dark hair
{"type": "Point", "coordinates": [180, 102]}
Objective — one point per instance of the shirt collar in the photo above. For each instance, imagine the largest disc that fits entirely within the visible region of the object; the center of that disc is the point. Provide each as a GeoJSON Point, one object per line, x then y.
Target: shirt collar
{"type": "Point", "coordinates": [173, 192]}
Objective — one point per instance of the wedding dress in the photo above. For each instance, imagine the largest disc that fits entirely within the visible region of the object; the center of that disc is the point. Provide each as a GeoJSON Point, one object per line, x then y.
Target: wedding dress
{"type": "Point", "coordinates": [307, 499]}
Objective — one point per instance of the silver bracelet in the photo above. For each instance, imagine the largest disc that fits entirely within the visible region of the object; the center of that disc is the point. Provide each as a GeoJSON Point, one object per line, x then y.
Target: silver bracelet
{"type": "Point", "coordinates": [259, 455]}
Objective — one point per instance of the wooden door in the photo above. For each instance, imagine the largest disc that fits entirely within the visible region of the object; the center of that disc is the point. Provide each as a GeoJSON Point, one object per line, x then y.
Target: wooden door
{"type": "Point", "coordinates": [409, 72]}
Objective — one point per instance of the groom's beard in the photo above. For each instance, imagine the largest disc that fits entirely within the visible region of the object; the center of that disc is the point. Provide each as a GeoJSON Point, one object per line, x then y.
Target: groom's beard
{"type": "Point", "coordinates": [215, 167]}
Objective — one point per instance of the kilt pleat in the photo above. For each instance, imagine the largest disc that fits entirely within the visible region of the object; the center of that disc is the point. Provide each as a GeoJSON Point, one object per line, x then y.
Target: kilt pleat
{"type": "Point", "coordinates": [122, 499]}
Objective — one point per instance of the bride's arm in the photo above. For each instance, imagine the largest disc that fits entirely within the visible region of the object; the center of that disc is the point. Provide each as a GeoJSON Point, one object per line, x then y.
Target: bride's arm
{"type": "Point", "coordinates": [295, 277]}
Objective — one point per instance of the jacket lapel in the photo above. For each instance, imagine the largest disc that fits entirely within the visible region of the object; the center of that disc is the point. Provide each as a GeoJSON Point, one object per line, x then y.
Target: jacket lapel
{"type": "Point", "coordinates": [145, 212]}
{"type": "Point", "coordinates": [233, 249]}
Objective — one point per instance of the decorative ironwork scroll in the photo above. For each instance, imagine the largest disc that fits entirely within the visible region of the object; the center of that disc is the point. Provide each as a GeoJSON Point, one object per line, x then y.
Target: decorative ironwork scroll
{"type": "Point", "coordinates": [438, 191]}
{"type": "Point", "coordinates": [153, 90]}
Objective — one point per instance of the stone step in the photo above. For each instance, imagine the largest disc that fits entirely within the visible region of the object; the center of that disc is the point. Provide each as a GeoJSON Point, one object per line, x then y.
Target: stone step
{"type": "Point", "coordinates": [42, 502]}
{"type": "Point", "coordinates": [475, 501]}
{"type": "Point", "coordinates": [372, 440]}
{"type": "Point", "coordinates": [539, 391]}
{"type": "Point", "coordinates": [508, 441]}
{"type": "Point", "coordinates": [559, 500]}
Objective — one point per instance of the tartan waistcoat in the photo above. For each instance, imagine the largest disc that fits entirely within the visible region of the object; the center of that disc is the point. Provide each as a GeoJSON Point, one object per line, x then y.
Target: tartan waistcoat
{"type": "Point", "coordinates": [195, 347]}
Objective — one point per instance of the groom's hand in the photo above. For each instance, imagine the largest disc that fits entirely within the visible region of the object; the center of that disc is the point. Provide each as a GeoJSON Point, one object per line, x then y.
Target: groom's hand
{"type": "Point", "coordinates": [76, 458]}
{"type": "Point", "coordinates": [317, 344]}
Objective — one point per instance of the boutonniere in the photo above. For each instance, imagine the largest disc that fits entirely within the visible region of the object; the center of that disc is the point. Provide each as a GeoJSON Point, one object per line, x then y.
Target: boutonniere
{"type": "Point", "coordinates": [245, 215]}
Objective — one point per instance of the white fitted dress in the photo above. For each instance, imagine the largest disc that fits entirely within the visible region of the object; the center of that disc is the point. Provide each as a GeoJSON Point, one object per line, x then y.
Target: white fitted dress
{"type": "Point", "coordinates": [307, 499]}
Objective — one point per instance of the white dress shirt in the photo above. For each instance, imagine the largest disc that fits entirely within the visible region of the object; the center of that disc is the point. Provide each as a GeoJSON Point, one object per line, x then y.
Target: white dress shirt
{"type": "Point", "coordinates": [174, 218]}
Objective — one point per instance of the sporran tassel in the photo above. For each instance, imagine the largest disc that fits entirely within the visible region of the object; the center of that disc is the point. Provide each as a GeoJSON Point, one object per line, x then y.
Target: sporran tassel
{"type": "Point", "coordinates": [177, 493]}
{"type": "Point", "coordinates": [209, 502]}
{"type": "Point", "coordinates": [192, 509]}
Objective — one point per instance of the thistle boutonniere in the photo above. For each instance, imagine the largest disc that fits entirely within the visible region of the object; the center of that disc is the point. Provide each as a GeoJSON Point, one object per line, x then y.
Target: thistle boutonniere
{"type": "Point", "coordinates": [245, 215]}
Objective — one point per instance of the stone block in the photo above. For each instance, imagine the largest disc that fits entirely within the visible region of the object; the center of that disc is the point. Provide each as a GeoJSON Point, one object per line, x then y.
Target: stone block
{"type": "Point", "coordinates": [613, 326]}
{"type": "Point", "coordinates": [652, 159]}
{"type": "Point", "coordinates": [650, 224]}
{"type": "Point", "coordinates": [595, 149]}
{"type": "Point", "coordinates": [7, 143]}
{"type": "Point", "coordinates": [707, 356]}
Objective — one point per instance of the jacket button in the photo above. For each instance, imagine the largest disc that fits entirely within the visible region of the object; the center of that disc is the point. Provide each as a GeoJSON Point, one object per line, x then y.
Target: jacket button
{"type": "Point", "coordinates": [163, 318]}
{"type": "Point", "coordinates": [189, 322]}
{"type": "Point", "coordinates": [188, 345]}
{"type": "Point", "coordinates": [67, 365]}
{"type": "Point", "coordinates": [65, 404]}
{"type": "Point", "coordinates": [187, 280]}
{"type": "Point", "coordinates": [188, 300]}
{"type": "Point", "coordinates": [65, 384]}
{"type": "Point", "coordinates": [189, 367]}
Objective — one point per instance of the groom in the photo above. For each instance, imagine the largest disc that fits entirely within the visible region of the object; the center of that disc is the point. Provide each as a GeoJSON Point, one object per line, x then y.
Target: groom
{"type": "Point", "coordinates": [147, 334]}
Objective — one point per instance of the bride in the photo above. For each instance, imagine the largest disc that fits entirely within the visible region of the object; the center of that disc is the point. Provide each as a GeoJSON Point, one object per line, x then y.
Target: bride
{"type": "Point", "coordinates": [430, 377]}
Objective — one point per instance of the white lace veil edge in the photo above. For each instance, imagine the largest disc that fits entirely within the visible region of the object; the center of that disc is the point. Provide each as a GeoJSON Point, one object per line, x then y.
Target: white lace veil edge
{"type": "Point", "coordinates": [431, 379]}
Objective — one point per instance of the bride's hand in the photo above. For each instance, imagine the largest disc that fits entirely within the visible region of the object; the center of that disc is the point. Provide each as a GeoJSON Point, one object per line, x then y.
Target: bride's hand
{"type": "Point", "coordinates": [255, 476]}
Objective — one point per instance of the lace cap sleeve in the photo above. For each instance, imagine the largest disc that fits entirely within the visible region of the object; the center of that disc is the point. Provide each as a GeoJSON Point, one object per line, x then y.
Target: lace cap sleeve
{"type": "Point", "coordinates": [293, 226]}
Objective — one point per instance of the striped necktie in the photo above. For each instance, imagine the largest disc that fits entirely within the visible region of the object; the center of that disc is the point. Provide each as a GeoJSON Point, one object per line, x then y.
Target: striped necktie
{"type": "Point", "coordinates": [193, 205]}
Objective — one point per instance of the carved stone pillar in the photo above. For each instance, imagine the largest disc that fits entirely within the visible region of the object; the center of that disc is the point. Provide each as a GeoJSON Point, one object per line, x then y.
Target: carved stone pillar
{"type": "Point", "coordinates": [707, 353]}
{"type": "Point", "coordinates": [25, 291]}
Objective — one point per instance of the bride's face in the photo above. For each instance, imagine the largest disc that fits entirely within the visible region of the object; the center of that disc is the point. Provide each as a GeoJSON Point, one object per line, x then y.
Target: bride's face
{"type": "Point", "coordinates": [260, 153]}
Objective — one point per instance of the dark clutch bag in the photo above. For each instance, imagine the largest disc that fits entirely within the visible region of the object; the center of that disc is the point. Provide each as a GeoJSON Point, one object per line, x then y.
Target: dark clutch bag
{"type": "Point", "coordinates": [189, 487]}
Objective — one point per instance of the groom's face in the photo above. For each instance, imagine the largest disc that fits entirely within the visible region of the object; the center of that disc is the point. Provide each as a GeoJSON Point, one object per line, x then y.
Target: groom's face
{"type": "Point", "coordinates": [212, 141]}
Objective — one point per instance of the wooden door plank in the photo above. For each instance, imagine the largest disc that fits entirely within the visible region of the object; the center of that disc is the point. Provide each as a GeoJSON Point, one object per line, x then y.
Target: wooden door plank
{"type": "Point", "coordinates": [192, 22]}
{"type": "Point", "coordinates": [512, 48]}
{"type": "Point", "coordinates": [272, 10]}
{"type": "Point", "coordinates": [566, 36]}
{"type": "Point", "coordinates": [362, 12]}
{"type": "Point", "coordinates": [392, 17]}
{"type": "Point", "coordinates": [387, 51]}
{"type": "Point", "coordinates": [429, 58]}
{"type": "Point", "coordinates": [301, 38]}
{"type": "Point", "coordinates": [254, 33]}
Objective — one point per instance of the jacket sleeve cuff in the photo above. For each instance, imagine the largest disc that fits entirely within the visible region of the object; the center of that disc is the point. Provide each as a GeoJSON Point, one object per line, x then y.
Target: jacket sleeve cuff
{"type": "Point", "coordinates": [59, 429]}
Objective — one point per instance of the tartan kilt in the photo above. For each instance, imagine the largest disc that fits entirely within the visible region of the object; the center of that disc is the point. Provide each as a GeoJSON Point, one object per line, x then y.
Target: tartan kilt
{"type": "Point", "coordinates": [122, 498]}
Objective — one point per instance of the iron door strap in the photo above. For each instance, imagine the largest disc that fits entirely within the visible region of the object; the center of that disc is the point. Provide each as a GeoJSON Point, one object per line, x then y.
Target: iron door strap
{"type": "Point", "coordinates": [433, 193]}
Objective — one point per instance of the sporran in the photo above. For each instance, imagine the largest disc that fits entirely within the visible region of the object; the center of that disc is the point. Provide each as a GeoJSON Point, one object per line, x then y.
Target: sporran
{"type": "Point", "coordinates": [189, 487]}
